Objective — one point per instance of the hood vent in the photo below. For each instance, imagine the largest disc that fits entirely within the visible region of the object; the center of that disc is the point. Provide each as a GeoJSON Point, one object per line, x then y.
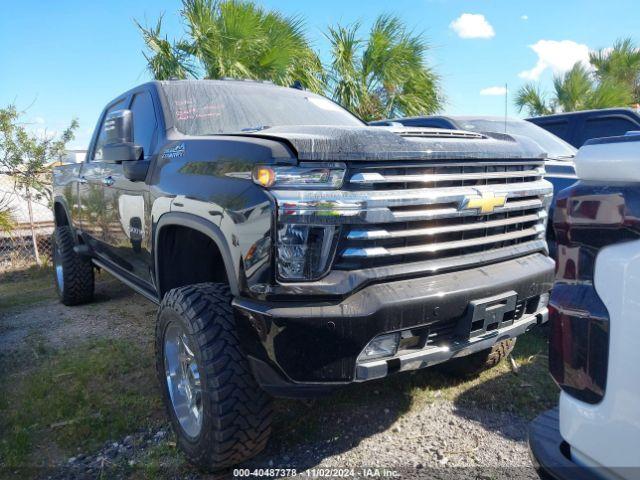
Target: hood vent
{"type": "Point", "coordinates": [436, 133]}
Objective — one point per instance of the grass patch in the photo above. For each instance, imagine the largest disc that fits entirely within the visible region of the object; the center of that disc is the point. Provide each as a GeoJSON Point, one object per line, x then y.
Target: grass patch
{"type": "Point", "coordinates": [164, 460]}
{"type": "Point", "coordinates": [527, 392]}
{"type": "Point", "coordinates": [76, 399]}
{"type": "Point", "coordinates": [26, 287]}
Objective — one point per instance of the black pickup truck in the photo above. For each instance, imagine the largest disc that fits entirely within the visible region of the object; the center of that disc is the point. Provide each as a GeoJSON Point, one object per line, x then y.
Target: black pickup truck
{"type": "Point", "coordinates": [293, 249]}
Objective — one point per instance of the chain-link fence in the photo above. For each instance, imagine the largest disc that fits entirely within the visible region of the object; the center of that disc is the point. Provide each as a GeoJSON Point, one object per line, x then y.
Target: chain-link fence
{"type": "Point", "coordinates": [17, 250]}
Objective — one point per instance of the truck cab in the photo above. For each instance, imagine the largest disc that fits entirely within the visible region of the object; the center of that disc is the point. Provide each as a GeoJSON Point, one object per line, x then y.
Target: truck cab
{"type": "Point", "coordinates": [578, 127]}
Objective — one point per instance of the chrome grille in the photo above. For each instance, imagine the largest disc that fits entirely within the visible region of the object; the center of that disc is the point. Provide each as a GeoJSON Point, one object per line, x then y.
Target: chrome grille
{"type": "Point", "coordinates": [397, 214]}
{"type": "Point", "coordinates": [454, 174]}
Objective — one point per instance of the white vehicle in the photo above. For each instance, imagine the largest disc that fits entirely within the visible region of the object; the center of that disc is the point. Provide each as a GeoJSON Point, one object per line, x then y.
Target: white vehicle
{"type": "Point", "coordinates": [594, 342]}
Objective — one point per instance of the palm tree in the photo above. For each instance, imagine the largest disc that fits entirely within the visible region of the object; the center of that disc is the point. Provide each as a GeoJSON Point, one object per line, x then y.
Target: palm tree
{"type": "Point", "coordinates": [237, 39]}
{"type": "Point", "coordinates": [383, 76]}
{"type": "Point", "coordinates": [619, 64]}
{"type": "Point", "coordinates": [577, 89]}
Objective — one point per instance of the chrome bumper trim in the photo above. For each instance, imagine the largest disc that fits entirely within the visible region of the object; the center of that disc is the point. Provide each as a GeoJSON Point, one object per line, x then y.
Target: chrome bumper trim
{"type": "Point", "coordinates": [434, 355]}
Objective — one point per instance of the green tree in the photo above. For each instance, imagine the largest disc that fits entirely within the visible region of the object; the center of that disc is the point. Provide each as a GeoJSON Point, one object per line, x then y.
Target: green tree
{"type": "Point", "coordinates": [385, 74]}
{"type": "Point", "coordinates": [620, 64]}
{"type": "Point", "coordinates": [577, 89]}
{"type": "Point", "coordinates": [6, 215]}
{"type": "Point", "coordinates": [235, 39]}
{"type": "Point", "coordinates": [24, 157]}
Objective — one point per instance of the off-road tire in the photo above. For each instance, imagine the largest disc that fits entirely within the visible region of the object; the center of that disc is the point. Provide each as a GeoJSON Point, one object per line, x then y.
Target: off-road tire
{"type": "Point", "coordinates": [477, 362]}
{"type": "Point", "coordinates": [73, 274]}
{"type": "Point", "coordinates": [236, 413]}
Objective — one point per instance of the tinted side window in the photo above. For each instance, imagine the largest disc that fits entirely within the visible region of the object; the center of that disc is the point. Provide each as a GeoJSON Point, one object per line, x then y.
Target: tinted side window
{"type": "Point", "coordinates": [606, 127]}
{"type": "Point", "coordinates": [144, 121]}
{"type": "Point", "coordinates": [97, 153]}
{"type": "Point", "coordinates": [559, 129]}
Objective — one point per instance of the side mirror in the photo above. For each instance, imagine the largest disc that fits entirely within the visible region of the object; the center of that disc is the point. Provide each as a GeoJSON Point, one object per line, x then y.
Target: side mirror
{"type": "Point", "coordinates": [118, 131]}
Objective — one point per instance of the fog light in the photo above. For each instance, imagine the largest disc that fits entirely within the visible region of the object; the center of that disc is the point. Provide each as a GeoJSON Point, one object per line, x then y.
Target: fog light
{"type": "Point", "coordinates": [382, 346]}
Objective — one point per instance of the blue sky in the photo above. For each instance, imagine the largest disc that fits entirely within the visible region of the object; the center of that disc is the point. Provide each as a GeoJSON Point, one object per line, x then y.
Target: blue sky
{"type": "Point", "coordinates": [66, 59]}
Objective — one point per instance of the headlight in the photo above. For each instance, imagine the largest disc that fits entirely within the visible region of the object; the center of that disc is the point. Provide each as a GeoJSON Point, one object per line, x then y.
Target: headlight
{"type": "Point", "coordinates": [304, 251]}
{"type": "Point", "coordinates": [312, 176]}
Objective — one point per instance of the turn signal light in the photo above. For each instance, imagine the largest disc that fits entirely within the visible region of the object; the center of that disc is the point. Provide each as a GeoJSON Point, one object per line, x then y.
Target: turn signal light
{"type": "Point", "coordinates": [264, 176]}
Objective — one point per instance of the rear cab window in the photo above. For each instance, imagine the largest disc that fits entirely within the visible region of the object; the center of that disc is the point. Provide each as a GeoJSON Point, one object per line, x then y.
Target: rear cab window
{"type": "Point", "coordinates": [607, 126]}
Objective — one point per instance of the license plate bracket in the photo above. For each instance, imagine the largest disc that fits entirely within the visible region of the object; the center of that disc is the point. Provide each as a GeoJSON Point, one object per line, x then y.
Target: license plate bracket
{"type": "Point", "coordinates": [487, 314]}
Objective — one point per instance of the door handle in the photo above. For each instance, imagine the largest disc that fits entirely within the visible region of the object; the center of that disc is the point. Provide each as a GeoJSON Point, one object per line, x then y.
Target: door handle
{"type": "Point", "coordinates": [108, 181]}
{"type": "Point", "coordinates": [81, 179]}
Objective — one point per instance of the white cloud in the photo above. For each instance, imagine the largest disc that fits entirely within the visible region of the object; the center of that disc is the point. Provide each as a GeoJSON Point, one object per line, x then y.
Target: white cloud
{"type": "Point", "coordinates": [524, 17]}
{"type": "Point", "coordinates": [472, 25]}
{"type": "Point", "coordinates": [559, 56]}
{"type": "Point", "coordinates": [39, 120]}
{"type": "Point", "coordinates": [493, 91]}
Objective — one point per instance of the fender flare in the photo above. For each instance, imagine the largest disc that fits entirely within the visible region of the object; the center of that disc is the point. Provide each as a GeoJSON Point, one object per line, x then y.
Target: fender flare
{"type": "Point", "coordinates": [58, 199]}
{"type": "Point", "coordinates": [203, 226]}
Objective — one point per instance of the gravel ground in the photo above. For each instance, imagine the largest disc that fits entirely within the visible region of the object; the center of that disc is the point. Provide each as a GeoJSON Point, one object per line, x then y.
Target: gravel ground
{"type": "Point", "coordinates": [436, 441]}
{"type": "Point", "coordinates": [117, 312]}
{"type": "Point", "coordinates": [430, 439]}
{"type": "Point", "coordinates": [434, 436]}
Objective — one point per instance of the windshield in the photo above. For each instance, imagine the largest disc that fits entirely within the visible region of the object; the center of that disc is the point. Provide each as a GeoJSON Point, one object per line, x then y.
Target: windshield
{"type": "Point", "coordinates": [552, 145]}
{"type": "Point", "coordinates": [206, 107]}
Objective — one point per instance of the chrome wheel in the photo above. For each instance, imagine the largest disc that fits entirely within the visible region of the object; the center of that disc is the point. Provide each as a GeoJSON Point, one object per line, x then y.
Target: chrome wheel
{"type": "Point", "coordinates": [58, 269]}
{"type": "Point", "coordinates": [183, 379]}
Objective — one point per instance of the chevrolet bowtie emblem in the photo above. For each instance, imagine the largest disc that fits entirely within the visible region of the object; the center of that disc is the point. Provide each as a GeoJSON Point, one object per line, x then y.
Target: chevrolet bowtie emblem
{"type": "Point", "coordinates": [485, 202]}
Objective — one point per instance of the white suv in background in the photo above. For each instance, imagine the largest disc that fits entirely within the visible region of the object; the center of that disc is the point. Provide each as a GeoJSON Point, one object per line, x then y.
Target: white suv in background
{"type": "Point", "coordinates": [594, 342]}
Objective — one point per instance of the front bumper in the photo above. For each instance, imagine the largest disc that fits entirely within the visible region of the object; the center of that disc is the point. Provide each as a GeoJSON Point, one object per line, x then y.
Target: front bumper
{"type": "Point", "coordinates": [550, 454]}
{"type": "Point", "coordinates": [305, 347]}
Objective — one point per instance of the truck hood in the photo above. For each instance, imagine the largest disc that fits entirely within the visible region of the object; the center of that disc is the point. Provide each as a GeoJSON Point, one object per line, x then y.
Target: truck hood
{"type": "Point", "coordinates": [329, 143]}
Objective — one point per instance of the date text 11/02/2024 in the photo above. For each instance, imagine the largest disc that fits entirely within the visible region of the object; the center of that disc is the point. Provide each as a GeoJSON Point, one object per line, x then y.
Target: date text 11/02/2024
{"type": "Point", "coordinates": [372, 472]}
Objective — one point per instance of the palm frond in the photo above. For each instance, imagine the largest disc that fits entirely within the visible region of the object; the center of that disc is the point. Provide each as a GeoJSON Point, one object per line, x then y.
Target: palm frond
{"type": "Point", "coordinates": [165, 59]}
{"type": "Point", "coordinates": [531, 98]}
{"type": "Point", "coordinates": [573, 89]}
{"type": "Point", "coordinates": [621, 63]}
{"type": "Point", "coordinates": [345, 76]}
{"type": "Point", "coordinates": [610, 93]}
{"type": "Point", "coordinates": [238, 39]}
{"type": "Point", "coordinates": [385, 75]}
